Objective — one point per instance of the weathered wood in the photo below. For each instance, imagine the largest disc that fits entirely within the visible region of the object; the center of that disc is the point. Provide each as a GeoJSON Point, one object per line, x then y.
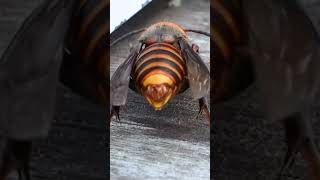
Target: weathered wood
{"type": "Point", "coordinates": [166, 144]}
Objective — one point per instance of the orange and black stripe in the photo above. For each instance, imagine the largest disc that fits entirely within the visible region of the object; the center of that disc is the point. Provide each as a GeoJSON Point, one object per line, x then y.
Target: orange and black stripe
{"type": "Point", "coordinates": [88, 43]}
{"type": "Point", "coordinates": [160, 58]}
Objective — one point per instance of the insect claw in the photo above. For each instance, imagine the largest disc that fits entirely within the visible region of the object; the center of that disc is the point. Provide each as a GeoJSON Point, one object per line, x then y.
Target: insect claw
{"type": "Point", "coordinates": [118, 117]}
{"type": "Point", "coordinates": [204, 107]}
{"type": "Point", "coordinates": [115, 113]}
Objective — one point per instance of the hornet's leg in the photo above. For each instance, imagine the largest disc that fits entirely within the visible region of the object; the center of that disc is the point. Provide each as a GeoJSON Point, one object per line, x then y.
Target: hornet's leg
{"type": "Point", "coordinates": [115, 110]}
{"type": "Point", "coordinates": [204, 108]}
{"type": "Point", "coordinates": [16, 156]}
{"type": "Point", "coordinates": [300, 139]}
{"type": "Point", "coordinates": [202, 101]}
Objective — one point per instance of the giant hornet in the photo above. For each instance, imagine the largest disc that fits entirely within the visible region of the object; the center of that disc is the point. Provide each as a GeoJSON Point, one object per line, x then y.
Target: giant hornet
{"type": "Point", "coordinates": [66, 38]}
{"type": "Point", "coordinates": [162, 65]}
{"type": "Point", "coordinates": [275, 43]}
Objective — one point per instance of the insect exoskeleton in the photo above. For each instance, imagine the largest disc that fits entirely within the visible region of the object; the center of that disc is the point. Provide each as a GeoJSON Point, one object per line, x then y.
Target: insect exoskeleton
{"type": "Point", "coordinates": [162, 65]}
{"type": "Point", "coordinates": [159, 73]}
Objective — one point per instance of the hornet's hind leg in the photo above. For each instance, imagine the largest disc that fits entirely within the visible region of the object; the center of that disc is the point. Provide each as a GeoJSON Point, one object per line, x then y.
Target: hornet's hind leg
{"type": "Point", "coordinates": [115, 112]}
{"type": "Point", "coordinates": [202, 101]}
{"type": "Point", "coordinates": [16, 156]}
{"type": "Point", "coordinates": [203, 107]}
{"type": "Point", "coordinates": [300, 139]}
{"type": "Point", "coordinates": [120, 81]}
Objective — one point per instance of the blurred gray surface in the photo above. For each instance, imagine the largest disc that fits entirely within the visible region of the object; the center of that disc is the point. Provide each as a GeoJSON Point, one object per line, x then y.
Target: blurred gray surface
{"type": "Point", "coordinates": [247, 146]}
{"type": "Point", "coordinates": [166, 144]}
{"type": "Point", "coordinates": [75, 148]}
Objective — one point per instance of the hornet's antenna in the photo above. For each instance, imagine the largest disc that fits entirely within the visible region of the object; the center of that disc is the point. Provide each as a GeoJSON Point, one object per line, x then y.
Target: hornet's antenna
{"type": "Point", "coordinates": [126, 35]}
{"type": "Point", "coordinates": [143, 29]}
{"type": "Point", "coordinates": [197, 31]}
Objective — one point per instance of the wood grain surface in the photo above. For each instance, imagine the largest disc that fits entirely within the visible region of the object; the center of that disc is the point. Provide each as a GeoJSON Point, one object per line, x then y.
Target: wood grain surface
{"type": "Point", "coordinates": [166, 144]}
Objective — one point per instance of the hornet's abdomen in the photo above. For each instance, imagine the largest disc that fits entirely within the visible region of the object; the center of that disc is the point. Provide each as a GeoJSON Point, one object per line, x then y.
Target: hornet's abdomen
{"type": "Point", "coordinates": [160, 59]}
{"type": "Point", "coordinates": [159, 73]}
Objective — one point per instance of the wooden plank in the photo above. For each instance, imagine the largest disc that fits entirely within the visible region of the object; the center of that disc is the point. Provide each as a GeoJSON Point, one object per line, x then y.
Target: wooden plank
{"type": "Point", "coordinates": [166, 144]}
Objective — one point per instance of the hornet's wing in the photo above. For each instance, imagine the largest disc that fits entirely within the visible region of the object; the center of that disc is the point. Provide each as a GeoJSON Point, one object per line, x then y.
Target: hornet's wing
{"type": "Point", "coordinates": [29, 71]}
{"type": "Point", "coordinates": [198, 73]}
{"type": "Point", "coordinates": [121, 78]}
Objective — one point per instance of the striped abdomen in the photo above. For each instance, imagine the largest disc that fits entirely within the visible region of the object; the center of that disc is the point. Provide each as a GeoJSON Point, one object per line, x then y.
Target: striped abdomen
{"type": "Point", "coordinates": [159, 63]}
{"type": "Point", "coordinates": [87, 67]}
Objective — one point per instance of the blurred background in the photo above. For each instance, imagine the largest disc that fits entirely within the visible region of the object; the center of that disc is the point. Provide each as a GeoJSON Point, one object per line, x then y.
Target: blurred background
{"type": "Point", "coordinates": [122, 10]}
{"type": "Point", "coordinates": [75, 148]}
{"type": "Point", "coordinates": [246, 145]}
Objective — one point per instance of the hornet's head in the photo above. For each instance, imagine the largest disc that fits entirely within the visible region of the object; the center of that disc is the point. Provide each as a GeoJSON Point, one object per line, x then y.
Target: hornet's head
{"type": "Point", "coordinates": [158, 89]}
